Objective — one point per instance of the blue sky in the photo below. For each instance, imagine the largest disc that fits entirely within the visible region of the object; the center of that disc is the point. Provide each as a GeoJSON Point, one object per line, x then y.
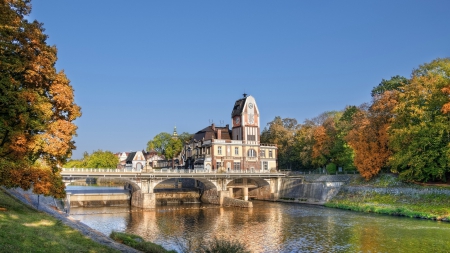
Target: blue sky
{"type": "Point", "coordinates": [142, 67]}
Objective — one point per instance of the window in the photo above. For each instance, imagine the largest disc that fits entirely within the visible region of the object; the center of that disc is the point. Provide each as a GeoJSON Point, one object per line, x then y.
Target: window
{"type": "Point", "coordinates": [236, 151]}
{"type": "Point", "coordinates": [219, 165]}
{"type": "Point", "coordinates": [237, 165]}
{"type": "Point", "coordinates": [251, 153]}
{"type": "Point", "coordinates": [262, 153]}
{"type": "Point", "coordinates": [270, 154]}
{"type": "Point", "coordinates": [265, 166]}
{"type": "Point", "coordinates": [219, 150]}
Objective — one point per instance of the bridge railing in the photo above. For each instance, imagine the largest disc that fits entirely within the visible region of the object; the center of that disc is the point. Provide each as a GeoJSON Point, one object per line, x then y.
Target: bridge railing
{"type": "Point", "coordinates": [168, 170]}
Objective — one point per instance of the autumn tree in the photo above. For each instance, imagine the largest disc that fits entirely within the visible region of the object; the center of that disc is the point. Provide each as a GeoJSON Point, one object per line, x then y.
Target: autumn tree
{"type": "Point", "coordinates": [369, 136]}
{"type": "Point", "coordinates": [304, 142]}
{"type": "Point", "coordinates": [37, 106]}
{"type": "Point", "coordinates": [420, 131]}
{"type": "Point", "coordinates": [329, 144]}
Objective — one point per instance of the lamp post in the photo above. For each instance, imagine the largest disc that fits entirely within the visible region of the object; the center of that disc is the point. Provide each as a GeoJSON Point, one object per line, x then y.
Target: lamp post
{"type": "Point", "coordinates": [190, 157]}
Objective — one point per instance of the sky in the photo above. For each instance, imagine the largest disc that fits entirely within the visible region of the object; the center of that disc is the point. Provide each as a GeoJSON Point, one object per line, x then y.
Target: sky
{"type": "Point", "coordinates": [141, 67]}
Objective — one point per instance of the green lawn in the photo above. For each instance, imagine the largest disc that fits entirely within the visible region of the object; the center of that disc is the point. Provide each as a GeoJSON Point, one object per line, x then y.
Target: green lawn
{"type": "Point", "coordinates": [23, 229]}
{"type": "Point", "coordinates": [428, 206]}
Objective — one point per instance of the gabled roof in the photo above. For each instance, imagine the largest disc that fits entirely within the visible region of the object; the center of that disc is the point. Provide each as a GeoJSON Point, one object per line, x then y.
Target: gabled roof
{"type": "Point", "coordinates": [211, 132]}
{"type": "Point", "coordinates": [130, 157]}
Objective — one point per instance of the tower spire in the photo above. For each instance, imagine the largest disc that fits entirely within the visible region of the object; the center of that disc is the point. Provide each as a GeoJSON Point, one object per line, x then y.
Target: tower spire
{"type": "Point", "coordinates": [175, 134]}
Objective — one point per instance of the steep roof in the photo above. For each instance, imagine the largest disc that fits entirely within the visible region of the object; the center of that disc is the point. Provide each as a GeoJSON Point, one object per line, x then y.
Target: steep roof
{"type": "Point", "coordinates": [238, 107]}
{"type": "Point", "coordinates": [211, 132]}
{"type": "Point", "coordinates": [130, 157]}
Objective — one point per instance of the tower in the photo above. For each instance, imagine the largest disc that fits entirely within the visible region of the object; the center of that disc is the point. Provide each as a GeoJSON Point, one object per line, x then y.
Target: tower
{"type": "Point", "coordinates": [175, 134]}
{"type": "Point", "coordinates": [245, 118]}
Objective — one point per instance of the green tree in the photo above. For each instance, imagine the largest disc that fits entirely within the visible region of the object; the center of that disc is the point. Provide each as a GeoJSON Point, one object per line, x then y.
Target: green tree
{"type": "Point", "coordinates": [185, 137]}
{"type": "Point", "coordinates": [395, 83]}
{"type": "Point", "coordinates": [173, 149]}
{"type": "Point", "coordinates": [420, 131]}
{"type": "Point", "coordinates": [164, 144]}
{"type": "Point", "coordinates": [37, 106]}
{"type": "Point", "coordinates": [98, 159]}
{"type": "Point", "coordinates": [159, 143]}
{"type": "Point", "coordinates": [282, 132]}
{"type": "Point", "coordinates": [102, 159]}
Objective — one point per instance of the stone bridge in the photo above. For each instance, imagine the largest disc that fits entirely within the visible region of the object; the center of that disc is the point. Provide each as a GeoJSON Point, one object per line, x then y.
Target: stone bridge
{"type": "Point", "coordinates": [215, 187]}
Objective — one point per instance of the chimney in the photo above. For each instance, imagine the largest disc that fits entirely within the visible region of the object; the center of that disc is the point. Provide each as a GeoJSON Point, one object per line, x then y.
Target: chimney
{"type": "Point", "coordinates": [219, 134]}
{"type": "Point", "coordinates": [213, 127]}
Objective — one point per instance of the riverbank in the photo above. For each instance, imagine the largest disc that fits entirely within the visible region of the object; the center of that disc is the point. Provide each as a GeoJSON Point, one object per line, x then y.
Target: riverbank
{"type": "Point", "coordinates": [385, 194]}
{"type": "Point", "coordinates": [30, 224]}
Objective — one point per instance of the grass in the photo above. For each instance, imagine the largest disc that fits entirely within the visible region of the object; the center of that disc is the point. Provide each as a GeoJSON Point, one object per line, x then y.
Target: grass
{"type": "Point", "coordinates": [23, 229]}
{"type": "Point", "coordinates": [138, 243]}
{"type": "Point", "coordinates": [432, 206]}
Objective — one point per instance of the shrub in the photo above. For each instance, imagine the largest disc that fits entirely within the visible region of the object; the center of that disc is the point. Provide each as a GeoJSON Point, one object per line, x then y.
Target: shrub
{"type": "Point", "coordinates": [224, 246]}
{"type": "Point", "coordinates": [331, 168]}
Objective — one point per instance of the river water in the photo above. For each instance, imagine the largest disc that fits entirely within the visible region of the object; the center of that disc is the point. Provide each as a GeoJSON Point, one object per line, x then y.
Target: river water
{"type": "Point", "coordinates": [272, 227]}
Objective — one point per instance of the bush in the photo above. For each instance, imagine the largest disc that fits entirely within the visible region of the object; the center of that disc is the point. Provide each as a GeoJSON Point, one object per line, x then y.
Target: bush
{"type": "Point", "coordinates": [224, 246]}
{"type": "Point", "coordinates": [331, 168]}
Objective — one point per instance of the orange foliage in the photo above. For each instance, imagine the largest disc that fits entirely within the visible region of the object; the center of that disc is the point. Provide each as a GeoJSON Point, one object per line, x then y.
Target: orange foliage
{"type": "Point", "coordinates": [369, 136]}
{"type": "Point", "coordinates": [37, 107]}
{"type": "Point", "coordinates": [446, 106]}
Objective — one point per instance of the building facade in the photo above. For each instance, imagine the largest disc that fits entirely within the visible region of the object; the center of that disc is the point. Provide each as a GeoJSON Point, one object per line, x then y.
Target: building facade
{"type": "Point", "coordinates": [237, 149]}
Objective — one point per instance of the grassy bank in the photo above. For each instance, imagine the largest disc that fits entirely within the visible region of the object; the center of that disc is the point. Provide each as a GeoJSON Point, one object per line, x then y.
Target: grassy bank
{"type": "Point", "coordinates": [138, 243]}
{"type": "Point", "coordinates": [418, 204]}
{"type": "Point", "coordinates": [23, 229]}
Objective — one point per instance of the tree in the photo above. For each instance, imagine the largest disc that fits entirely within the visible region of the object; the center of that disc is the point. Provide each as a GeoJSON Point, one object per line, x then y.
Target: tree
{"type": "Point", "coordinates": [164, 144]}
{"type": "Point", "coordinates": [37, 106]}
{"type": "Point", "coordinates": [395, 83]}
{"type": "Point", "coordinates": [420, 131]}
{"type": "Point", "coordinates": [98, 159]}
{"type": "Point", "coordinates": [102, 159]}
{"type": "Point", "coordinates": [159, 143]}
{"type": "Point", "coordinates": [185, 137]}
{"type": "Point", "coordinates": [281, 132]}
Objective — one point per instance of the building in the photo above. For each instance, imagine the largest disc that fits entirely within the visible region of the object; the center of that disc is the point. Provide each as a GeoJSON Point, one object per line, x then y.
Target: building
{"type": "Point", "coordinates": [237, 149]}
{"type": "Point", "coordinates": [135, 161]}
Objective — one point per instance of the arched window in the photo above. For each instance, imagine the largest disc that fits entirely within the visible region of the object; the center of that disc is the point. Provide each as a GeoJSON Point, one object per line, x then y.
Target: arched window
{"type": "Point", "coordinates": [251, 153]}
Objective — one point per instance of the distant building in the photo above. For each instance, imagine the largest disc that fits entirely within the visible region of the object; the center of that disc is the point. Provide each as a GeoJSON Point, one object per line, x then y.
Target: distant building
{"type": "Point", "coordinates": [135, 161]}
{"type": "Point", "coordinates": [237, 149]}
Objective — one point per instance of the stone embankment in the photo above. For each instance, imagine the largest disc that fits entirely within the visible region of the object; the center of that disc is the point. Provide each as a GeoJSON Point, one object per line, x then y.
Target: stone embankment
{"type": "Point", "coordinates": [311, 189]}
{"type": "Point", "coordinates": [395, 190]}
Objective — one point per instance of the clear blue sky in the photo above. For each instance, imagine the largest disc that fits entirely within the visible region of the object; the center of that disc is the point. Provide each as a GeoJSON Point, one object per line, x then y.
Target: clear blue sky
{"type": "Point", "coordinates": [142, 67]}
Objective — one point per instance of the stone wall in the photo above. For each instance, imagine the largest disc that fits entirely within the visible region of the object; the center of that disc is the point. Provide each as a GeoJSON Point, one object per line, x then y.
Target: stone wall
{"type": "Point", "coordinates": [177, 197]}
{"type": "Point", "coordinates": [395, 190]}
{"type": "Point", "coordinates": [236, 202]}
{"type": "Point", "coordinates": [315, 192]}
{"type": "Point", "coordinates": [210, 197]}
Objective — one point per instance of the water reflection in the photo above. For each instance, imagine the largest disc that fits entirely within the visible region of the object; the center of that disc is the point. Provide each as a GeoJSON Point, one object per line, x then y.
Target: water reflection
{"type": "Point", "coordinates": [273, 227]}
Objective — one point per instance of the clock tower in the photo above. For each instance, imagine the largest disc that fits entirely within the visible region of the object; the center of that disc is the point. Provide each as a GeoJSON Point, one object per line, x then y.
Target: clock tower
{"type": "Point", "coordinates": [245, 120]}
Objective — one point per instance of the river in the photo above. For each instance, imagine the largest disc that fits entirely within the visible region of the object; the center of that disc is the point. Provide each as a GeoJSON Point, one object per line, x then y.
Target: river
{"type": "Point", "coordinates": [272, 227]}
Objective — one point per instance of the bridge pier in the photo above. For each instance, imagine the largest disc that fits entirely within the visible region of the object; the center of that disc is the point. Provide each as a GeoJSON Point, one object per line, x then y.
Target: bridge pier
{"type": "Point", "coordinates": [275, 184]}
{"type": "Point", "coordinates": [222, 195]}
{"type": "Point", "coordinates": [245, 193]}
{"type": "Point", "coordinates": [143, 200]}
